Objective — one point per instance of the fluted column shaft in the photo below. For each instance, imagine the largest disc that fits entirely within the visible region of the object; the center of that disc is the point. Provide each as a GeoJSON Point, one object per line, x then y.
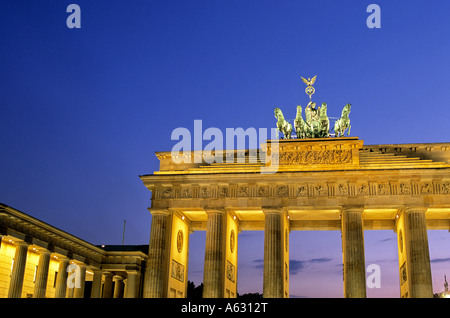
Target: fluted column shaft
{"type": "Point", "coordinates": [156, 272]}
{"type": "Point", "coordinates": [107, 285]}
{"type": "Point", "coordinates": [353, 253]}
{"type": "Point", "coordinates": [61, 279]}
{"type": "Point", "coordinates": [118, 286]}
{"type": "Point", "coordinates": [273, 285]}
{"type": "Point", "coordinates": [79, 288]}
{"type": "Point", "coordinates": [40, 286]}
{"type": "Point", "coordinates": [96, 284]}
{"type": "Point", "coordinates": [132, 284]}
{"type": "Point", "coordinates": [418, 256]}
{"type": "Point", "coordinates": [214, 267]}
{"type": "Point", "coordinates": [18, 270]}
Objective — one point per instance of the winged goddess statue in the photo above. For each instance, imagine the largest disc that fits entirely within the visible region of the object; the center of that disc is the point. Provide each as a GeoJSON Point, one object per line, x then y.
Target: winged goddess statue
{"type": "Point", "coordinates": [309, 82]}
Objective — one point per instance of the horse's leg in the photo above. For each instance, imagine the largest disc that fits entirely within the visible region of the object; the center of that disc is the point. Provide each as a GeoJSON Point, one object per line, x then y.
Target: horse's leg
{"type": "Point", "coordinates": [348, 131]}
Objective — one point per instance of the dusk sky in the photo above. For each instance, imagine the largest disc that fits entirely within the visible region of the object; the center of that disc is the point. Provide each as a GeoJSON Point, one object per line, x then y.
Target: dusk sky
{"type": "Point", "coordinates": [83, 110]}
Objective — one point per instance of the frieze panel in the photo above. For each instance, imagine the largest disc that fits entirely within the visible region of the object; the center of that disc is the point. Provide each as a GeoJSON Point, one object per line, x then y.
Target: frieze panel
{"type": "Point", "coordinates": [243, 191]}
{"type": "Point", "coordinates": [384, 189]}
{"type": "Point", "coordinates": [302, 191]}
{"type": "Point", "coordinates": [340, 189]}
{"type": "Point", "coordinates": [167, 192]}
{"type": "Point", "coordinates": [177, 271]}
{"type": "Point", "coordinates": [445, 188]}
{"type": "Point", "coordinates": [231, 272]}
{"type": "Point", "coordinates": [315, 157]}
{"type": "Point", "coordinates": [282, 191]}
{"type": "Point", "coordinates": [363, 189]}
{"type": "Point", "coordinates": [204, 193]}
{"type": "Point", "coordinates": [223, 192]}
{"type": "Point", "coordinates": [186, 193]}
{"type": "Point", "coordinates": [320, 190]}
{"type": "Point", "coordinates": [405, 188]}
{"type": "Point", "coordinates": [426, 188]}
{"type": "Point", "coordinates": [262, 191]}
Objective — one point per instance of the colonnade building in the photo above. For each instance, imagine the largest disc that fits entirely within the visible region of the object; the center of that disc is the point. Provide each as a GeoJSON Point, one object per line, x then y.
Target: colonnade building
{"type": "Point", "coordinates": [301, 184]}
{"type": "Point", "coordinates": [38, 260]}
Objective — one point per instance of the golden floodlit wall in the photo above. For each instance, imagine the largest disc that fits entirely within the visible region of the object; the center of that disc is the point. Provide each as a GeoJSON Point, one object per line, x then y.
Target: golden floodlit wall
{"type": "Point", "coordinates": [231, 257]}
{"type": "Point", "coordinates": [7, 251]}
{"type": "Point", "coordinates": [52, 274]}
{"type": "Point", "coordinates": [286, 256]}
{"type": "Point", "coordinates": [30, 273]}
{"type": "Point", "coordinates": [403, 268]}
{"type": "Point", "coordinates": [178, 267]}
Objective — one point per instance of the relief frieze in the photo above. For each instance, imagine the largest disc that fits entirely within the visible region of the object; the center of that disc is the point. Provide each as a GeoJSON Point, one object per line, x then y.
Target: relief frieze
{"type": "Point", "coordinates": [308, 190]}
{"type": "Point", "coordinates": [316, 157]}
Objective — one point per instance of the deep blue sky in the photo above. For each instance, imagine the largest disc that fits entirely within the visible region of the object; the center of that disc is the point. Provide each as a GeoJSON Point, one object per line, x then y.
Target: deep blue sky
{"type": "Point", "coordinates": [82, 111]}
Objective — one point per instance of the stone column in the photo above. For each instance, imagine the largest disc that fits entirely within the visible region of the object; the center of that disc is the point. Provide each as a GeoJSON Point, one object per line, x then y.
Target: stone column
{"type": "Point", "coordinates": [132, 290]}
{"type": "Point", "coordinates": [107, 285]}
{"type": "Point", "coordinates": [18, 270]}
{"type": "Point", "coordinates": [155, 279]}
{"type": "Point", "coordinates": [214, 267]}
{"type": "Point", "coordinates": [61, 279]}
{"type": "Point", "coordinates": [79, 287]}
{"type": "Point", "coordinates": [274, 260]}
{"type": "Point", "coordinates": [40, 286]}
{"type": "Point", "coordinates": [353, 252]}
{"type": "Point", "coordinates": [118, 286]}
{"type": "Point", "coordinates": [96, 284]}
{"type": "Point", "coordinates": [413, 247]}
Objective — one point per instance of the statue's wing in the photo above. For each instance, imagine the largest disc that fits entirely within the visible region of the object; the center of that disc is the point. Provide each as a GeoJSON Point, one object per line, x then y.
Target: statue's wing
{"type": "Point", "coordinates": [305, 81]}
{"type": "Point", "coordinates": [313, 80]}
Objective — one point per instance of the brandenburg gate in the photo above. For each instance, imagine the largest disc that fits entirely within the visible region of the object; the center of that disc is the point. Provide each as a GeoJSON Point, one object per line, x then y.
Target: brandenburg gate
{"type": "Point", "coordinates": [317, 182]}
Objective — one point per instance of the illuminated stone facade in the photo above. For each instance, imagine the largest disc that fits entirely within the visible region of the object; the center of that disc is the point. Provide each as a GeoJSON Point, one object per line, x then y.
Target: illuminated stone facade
{"type": "Point", "coordinates": [315, 184]}
{"type": "Point", "coordinates": [36, 260]}
{"type": "Point", "coordinates": [320, 184]}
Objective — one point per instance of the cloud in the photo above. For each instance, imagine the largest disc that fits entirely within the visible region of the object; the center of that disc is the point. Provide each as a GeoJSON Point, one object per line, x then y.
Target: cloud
{"type": "Point", "coordinates": [295, 266]}
{"type": "Point", "coordinates": [386, 240]}
{"type": "Point", "coordinates": [297, 296]}
{"type": "Point", "coordinates": [259, 263]}
{"type": "Point", "coordinates": [440, 260]}
{"type": "Point", "coordinates": [319, 260]}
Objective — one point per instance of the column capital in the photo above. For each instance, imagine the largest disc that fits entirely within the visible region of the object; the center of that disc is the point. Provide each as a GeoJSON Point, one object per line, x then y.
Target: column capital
{"type": "Point", "coordinates": [415, 208]}
{"type": "Point", "coordinates": [21, 243]}
{"type": "Point", "coordinates": [117, 278]}
{"type": "Point", "coordinates": [215, 210]}
{"type": "Point", "coordinates": [352, 208]}
{"type": "Point", "coordinates": [159, 211]}
{"type": "Point", "coordinates": [107, 274]}
{"type": "Point", "coordinates": [42, 251]}
{"type": "Point", "coordinates": [277, 210]}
